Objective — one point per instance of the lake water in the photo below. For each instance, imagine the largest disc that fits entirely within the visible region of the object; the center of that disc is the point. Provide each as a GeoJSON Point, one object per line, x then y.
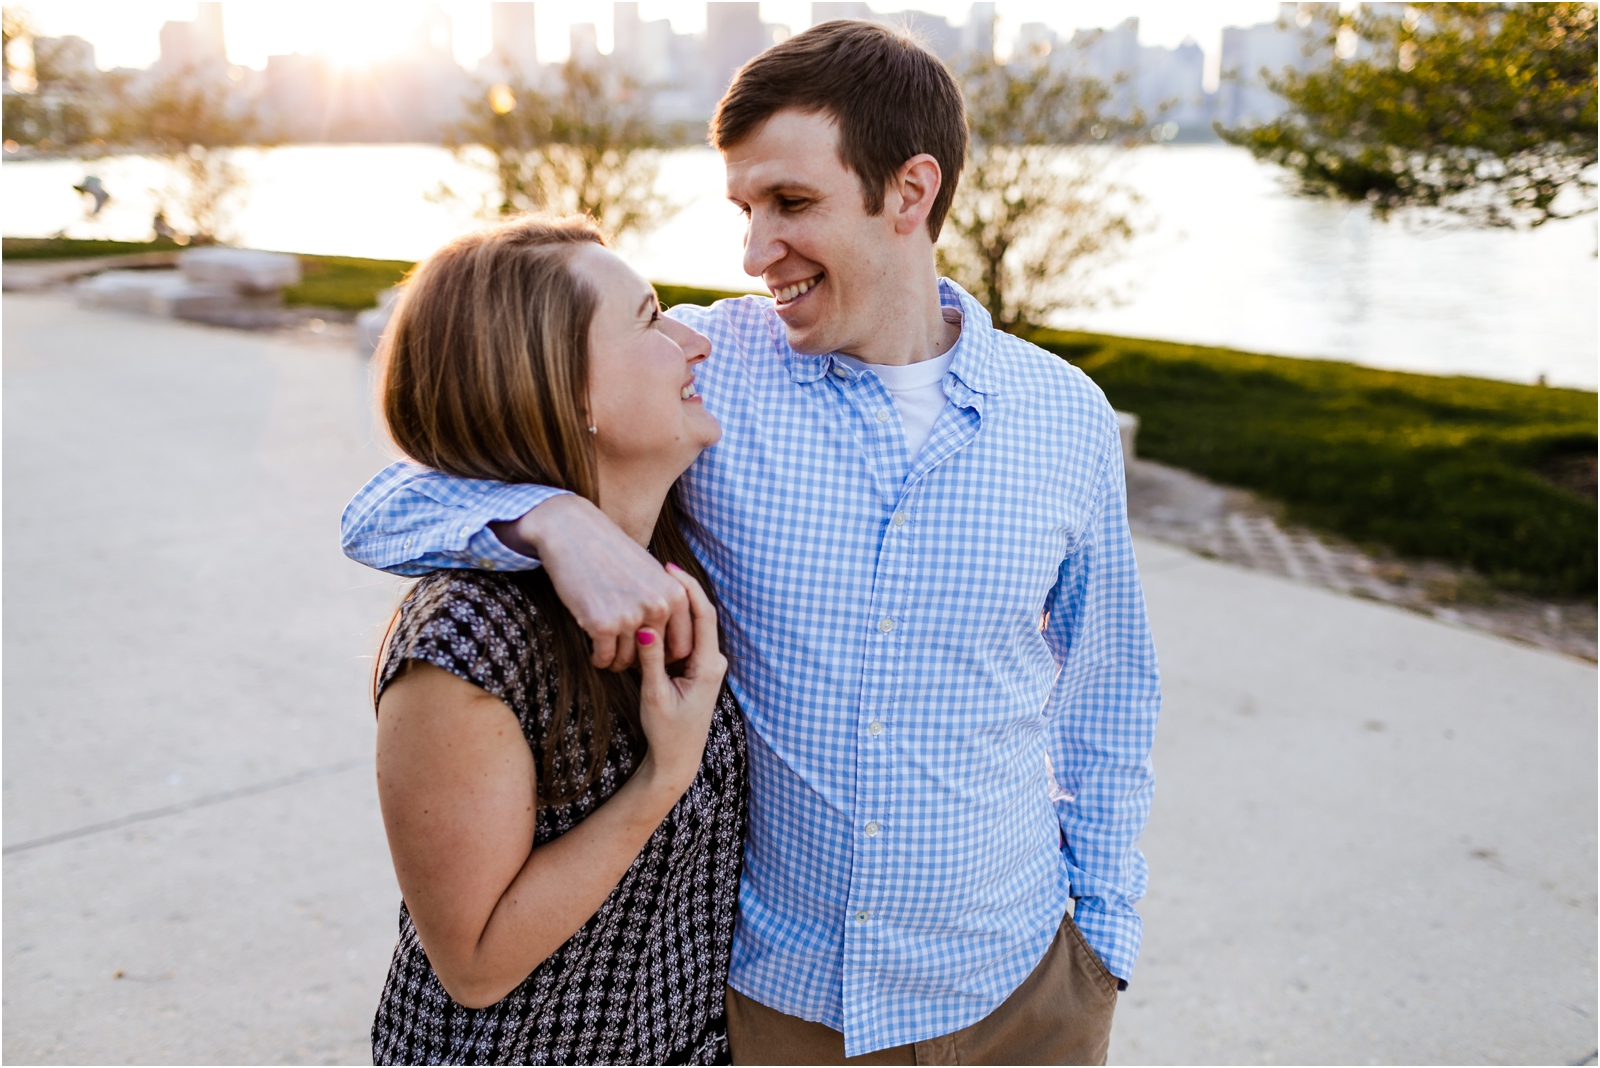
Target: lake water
{"type": "Point", "coordinates": [1227, 257]}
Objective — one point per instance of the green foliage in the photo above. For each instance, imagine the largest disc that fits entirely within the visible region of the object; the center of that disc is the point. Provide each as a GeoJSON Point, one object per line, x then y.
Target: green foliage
{"type": "Point", "coordinates": [674, 295]}
{"type": "Point", "coordinates": [344, 281]}
{"type": "Point", "coordinates": [1035, 212]}
{"type": "Point", "coordinates": [66, 248]}
{"type": "Point", "coordinates": [1461, 469]}
{"type": "Point", "coordinates": [587, 149]}
{"type": "Point", "coordinates": [1487, 110]}
{"type": "Point", "coordinates": [55, 104]}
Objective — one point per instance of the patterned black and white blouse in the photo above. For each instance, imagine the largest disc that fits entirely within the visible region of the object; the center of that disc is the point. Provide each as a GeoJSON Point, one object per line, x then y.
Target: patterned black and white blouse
{"type": "Point", "coordinates": [644, 980]}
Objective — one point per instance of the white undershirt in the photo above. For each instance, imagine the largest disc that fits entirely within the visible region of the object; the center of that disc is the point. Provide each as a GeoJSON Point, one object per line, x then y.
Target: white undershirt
{"type": "Point", "coordinates": [917, 390]}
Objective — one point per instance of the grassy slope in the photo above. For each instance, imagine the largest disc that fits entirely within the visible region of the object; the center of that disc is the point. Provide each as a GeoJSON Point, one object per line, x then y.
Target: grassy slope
{"type": "Point", "coordinates": [1452, 468]}
{"type": "Point", "coordinates": [63, 248]}
{"type": "Point", "coordinates": [344, 281]}
{"type": "Point", "coordinates": [1443, 467]}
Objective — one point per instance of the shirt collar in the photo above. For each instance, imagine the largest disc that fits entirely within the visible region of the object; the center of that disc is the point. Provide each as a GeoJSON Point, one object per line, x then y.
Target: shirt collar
{"type": "Point", "coordinates": [973, 350]}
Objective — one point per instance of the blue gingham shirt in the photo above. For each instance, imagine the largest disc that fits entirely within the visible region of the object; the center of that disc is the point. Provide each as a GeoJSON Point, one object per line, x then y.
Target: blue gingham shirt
{"type": "Point", "coordinates": [944, 660]}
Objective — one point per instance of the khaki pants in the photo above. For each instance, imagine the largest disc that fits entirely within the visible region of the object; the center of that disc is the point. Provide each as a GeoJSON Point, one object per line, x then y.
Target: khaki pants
{"type": "Point", "coordinates": [1061, 1014]}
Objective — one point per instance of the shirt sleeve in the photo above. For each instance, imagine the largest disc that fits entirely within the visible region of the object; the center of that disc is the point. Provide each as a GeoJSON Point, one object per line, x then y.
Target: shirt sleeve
{"type": "Point", "coordinates": [410, 520]}
{"type": "Point", "coordinates": [1102, 719]}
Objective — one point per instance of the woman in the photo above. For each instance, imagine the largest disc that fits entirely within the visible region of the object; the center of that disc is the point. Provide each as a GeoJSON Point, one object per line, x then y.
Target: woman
{"type": "Point", "coordinates": [567, 841]}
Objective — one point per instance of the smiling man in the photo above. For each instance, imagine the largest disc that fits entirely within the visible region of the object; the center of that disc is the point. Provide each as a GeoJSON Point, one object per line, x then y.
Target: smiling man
{"type": "Point", "coordinates": [917, 528]}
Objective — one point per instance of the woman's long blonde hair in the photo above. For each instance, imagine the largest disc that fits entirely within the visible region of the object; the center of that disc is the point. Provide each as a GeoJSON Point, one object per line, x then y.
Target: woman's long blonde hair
{"type": "Point", "coordinates": [484, 374]}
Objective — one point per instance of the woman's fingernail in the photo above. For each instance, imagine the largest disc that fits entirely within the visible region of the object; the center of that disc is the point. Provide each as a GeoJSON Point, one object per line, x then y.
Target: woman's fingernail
{"type": "Point", "coordinates": [674, 567]}
{"type": "Point", "coordinates": [645, 637]}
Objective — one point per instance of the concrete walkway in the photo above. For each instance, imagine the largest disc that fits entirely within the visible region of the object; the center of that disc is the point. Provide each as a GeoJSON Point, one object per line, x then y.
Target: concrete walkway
{"type": "Point", "coordinates": [1374, 835]}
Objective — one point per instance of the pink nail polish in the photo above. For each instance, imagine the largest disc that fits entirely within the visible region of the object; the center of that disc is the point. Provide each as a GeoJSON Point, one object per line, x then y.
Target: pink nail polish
{"type": "Point", "coordinates": [645, 637]}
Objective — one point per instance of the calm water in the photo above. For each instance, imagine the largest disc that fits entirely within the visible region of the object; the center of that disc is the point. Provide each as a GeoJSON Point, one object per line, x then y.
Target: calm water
{"type": "Point", "coordinates": [1227, 259]}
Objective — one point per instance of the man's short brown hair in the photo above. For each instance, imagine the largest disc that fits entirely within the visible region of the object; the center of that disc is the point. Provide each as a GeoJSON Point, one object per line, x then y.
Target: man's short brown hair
{"type": "Point", "coordinates": [892, 99]}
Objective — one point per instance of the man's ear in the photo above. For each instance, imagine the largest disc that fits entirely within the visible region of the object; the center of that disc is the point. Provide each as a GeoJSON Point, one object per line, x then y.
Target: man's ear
{"type": "Point", "coordinates": [912, 192]}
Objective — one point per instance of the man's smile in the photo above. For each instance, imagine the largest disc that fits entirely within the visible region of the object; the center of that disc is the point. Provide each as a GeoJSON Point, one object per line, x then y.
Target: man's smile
{"type": "Point", "coordinates": [792, 292]}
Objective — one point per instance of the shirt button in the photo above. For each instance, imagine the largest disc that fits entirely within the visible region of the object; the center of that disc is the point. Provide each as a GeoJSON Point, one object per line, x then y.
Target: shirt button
{"type": "Point", "coordinates": [875, 728]}
{"type": "Point", "coordinates": [886, 624]}
{"type": "Point", "coordinates": [486, 563]}
{"type": "Point", "coordinates": [872, 829]}
{"type": "Point", "coordinates": [883, 415]}
{"type": "Point", "coordinates": [408, 543]}
{"type": "Point", "coordinates": [466, 532]}
{"type": "Point", "coordinates": [840, 372]}
{"type": "Point", "coordinates": [899, 519]}
{"type": "Point", "coordinates": [862, 917]}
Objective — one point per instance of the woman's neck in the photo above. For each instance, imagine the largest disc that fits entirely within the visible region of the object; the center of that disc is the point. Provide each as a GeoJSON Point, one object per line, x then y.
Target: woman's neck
{"type": "Point", "coordinates": [633, 502]}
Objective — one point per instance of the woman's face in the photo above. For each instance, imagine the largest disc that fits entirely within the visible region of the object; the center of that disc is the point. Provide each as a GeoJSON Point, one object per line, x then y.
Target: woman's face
{"type": "Point", "coordinates": [647, 415]}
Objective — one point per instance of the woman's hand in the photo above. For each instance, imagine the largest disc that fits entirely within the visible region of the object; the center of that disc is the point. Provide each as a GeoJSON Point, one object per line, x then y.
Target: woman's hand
{"type": "Point", "coordinates": [676, 712]}
{"type": "Point", "coordinates": [459, 787]}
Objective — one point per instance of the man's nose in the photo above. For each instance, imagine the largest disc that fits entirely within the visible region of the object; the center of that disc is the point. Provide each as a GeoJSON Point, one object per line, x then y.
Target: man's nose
{"type": "Point", "coordinates": [762, 248]}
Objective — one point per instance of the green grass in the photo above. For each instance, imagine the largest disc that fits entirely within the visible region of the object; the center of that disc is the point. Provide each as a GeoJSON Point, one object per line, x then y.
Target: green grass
{"type": "Point", "coordinates": [344, 281]}
{"type": "Point", "coordinates": [63, 248]}
{"type": "Point", "coordinates": [1482, 473]}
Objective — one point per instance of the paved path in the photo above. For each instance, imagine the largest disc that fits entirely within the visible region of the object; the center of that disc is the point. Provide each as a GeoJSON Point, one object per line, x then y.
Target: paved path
{"type": "Point", "coordinates": [1374, 836]}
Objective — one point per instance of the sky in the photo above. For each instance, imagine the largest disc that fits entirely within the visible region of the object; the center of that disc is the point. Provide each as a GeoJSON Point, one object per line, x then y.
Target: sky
{"type": "Point", "coordinates": [124, 32]}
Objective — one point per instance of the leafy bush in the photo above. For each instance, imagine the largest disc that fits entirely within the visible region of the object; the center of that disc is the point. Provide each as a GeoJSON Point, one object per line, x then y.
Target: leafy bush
{"type": "Point", "coordinates": [1483, 473]}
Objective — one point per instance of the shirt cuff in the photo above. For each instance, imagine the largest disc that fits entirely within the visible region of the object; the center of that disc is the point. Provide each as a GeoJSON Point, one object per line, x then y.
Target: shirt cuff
{"type": "Point", "coordinates": [1114, 936]}
{"type": "Point", "coordinates": [487, 552]}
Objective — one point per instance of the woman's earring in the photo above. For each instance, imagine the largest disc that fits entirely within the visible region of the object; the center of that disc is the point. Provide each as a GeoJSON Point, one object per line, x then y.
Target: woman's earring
{"type": "Point", "coordinates": [594, 430]}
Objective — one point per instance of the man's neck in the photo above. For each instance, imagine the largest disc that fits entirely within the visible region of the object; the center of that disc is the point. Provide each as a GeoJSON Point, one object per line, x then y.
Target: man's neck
{"type": "Point", "coordinates": [912, 326]}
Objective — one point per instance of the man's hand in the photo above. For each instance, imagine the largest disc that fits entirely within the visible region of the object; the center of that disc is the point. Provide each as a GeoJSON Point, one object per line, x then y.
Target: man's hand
{"type": "Point", "coordinates": [611, 586]}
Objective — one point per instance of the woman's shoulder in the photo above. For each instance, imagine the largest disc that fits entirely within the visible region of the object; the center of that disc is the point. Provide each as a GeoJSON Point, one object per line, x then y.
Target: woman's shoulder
{"type": "Point", "coordinates": [480, 626]}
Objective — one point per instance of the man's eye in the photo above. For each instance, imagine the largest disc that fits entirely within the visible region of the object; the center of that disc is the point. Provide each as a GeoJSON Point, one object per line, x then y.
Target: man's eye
{"type": "Point", "coordinates": [791, 203]}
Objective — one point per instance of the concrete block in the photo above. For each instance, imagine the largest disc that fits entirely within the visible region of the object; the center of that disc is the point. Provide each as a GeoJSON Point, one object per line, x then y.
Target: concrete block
{"type": "Point", "coordinates": [163, 293]}
{"type": "Point", "coordinates": [245, 270]}
{"type": "Point", "coordinates": [371, 323]}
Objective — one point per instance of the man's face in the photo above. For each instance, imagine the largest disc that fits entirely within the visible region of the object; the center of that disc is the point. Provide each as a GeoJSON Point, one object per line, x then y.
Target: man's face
{"type": "Point", "coordinates": [808, 235]}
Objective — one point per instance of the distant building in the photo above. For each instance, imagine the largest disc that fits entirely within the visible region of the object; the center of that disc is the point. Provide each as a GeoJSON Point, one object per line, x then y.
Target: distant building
{"type": "Point", "coordinates": [434, 40]}
{"type": "Point", "coordinates": [643, 51]}
{"type": "Point", "coordinates": [514, 47]}
{"type": "Point", "coordinates": [583, 43]}
{"type": "Point", "coordinates": [1242, 97]}
{"type": "Point", "coordinates": [295, 98]}
{"type": "Point", "coordinates": [63, 59]}
{"type": "Point", "coordinates": [1165, 84]}
{"type": "Point", "coordinates": [1112, 56]}
{"type": "Point", "coordinates": [1170, 87]}
{"type": "Point", "coordinates": [827, 12]}
{"type": "Point", "coordinates": [977, 33]}
{"type": "Point", "coordinates": [412, 97]}
{"type": "Point", "coordinates": [734, 34]}
{"type": "Point", "coordinates": [197, 45]}
{"type": "Point", "coordinates": [935, 31]}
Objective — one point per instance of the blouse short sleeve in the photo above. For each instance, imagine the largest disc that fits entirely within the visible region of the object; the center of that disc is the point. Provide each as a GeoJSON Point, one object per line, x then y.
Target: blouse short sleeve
{"type": "Point", "coordinates": [472, 624]}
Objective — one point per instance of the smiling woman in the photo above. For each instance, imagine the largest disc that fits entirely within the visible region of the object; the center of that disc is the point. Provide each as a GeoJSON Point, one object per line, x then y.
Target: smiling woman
{"type": "Point", "coordinates": [530, 352]}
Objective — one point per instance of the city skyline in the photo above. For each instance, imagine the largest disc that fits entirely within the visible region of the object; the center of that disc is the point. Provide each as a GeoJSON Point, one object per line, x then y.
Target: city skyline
{"type": "Point", "coordinates": [127, 35]}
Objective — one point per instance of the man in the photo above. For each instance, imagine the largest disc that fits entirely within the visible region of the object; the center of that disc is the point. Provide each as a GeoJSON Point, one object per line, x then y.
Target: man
{"type": "Point", "coordinates": [917, 528]}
